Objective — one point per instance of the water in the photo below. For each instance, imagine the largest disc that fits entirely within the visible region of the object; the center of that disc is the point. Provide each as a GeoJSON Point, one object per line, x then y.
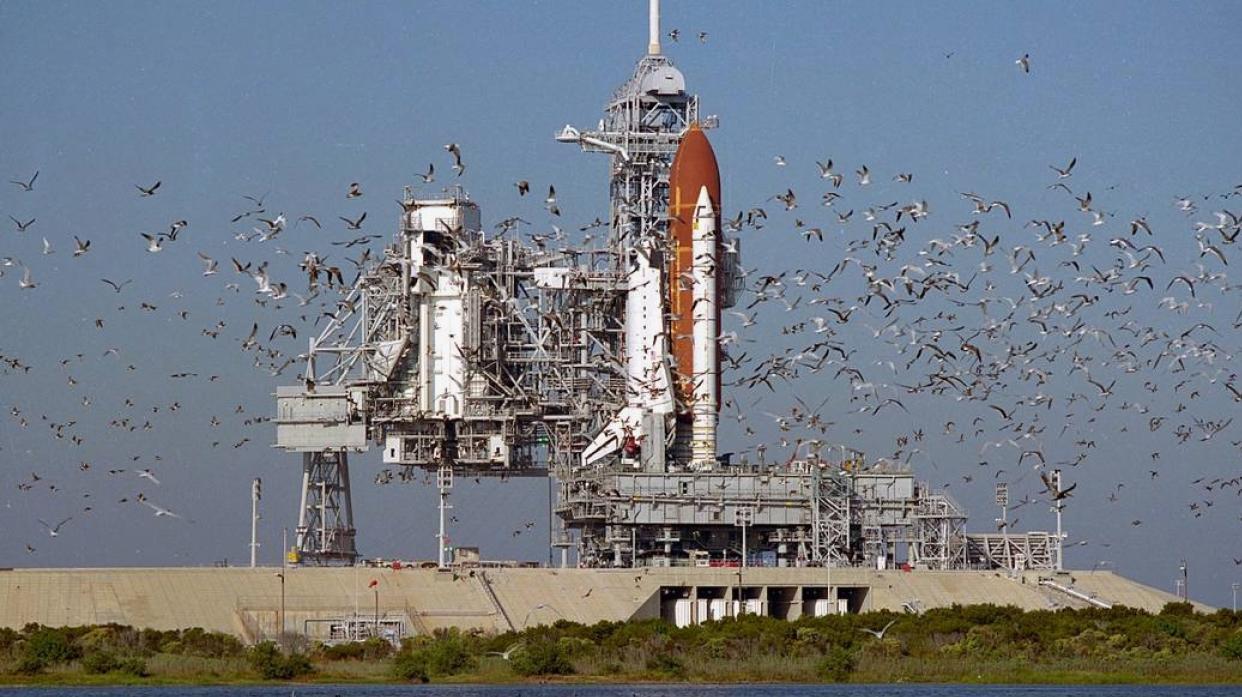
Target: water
{"type": "Point", "coordinates": [637, 691]}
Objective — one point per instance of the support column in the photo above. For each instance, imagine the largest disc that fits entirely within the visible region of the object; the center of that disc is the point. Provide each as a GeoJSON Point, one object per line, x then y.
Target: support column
{"type": "Point", "coordinates": [444, 482]}
{"type": "Point", "coordinates": [325, 533]}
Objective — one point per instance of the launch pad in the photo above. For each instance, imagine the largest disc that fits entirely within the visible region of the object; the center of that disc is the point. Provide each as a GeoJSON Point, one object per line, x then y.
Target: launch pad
{"type": "Point", "coordinates": [469, 352]}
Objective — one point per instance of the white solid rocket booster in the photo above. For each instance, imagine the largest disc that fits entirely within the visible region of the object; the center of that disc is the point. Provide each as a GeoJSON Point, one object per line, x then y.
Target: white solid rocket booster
{"type": "Point", "coordinates": [706, 367]}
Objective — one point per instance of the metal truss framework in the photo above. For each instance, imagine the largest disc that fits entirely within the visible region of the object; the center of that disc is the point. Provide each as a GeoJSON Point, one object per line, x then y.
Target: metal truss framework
{"type": "Point", "coordinates": [325, 532]}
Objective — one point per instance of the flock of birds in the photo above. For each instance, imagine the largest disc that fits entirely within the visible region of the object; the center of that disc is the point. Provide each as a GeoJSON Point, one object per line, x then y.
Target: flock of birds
{"type": "Point", "coordinates": [1041, 341]}
{"type": "Point", "coordinates": [1010, 339]}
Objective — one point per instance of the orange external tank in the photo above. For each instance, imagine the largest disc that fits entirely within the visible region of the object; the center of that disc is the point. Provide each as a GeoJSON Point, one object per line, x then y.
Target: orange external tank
{"type": "Point", "coordinates": [694, 167]}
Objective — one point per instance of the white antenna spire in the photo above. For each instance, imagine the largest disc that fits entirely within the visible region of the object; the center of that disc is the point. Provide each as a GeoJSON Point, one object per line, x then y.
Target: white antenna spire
{"type": "Point", "coordinates": [653, 28]}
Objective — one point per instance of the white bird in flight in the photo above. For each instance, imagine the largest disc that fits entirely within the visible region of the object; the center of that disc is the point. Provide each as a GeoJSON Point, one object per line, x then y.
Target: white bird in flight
{"type": "Point", "coordinates": [54, 530]}
{"type": "Point", "coordinates": [160, 512]}
{"type": "Point", "coordinates": [209, 264]}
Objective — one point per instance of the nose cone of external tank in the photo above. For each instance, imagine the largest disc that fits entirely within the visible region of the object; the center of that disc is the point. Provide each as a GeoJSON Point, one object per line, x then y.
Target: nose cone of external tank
{"type": "Point", "coordinates": [694, 166]}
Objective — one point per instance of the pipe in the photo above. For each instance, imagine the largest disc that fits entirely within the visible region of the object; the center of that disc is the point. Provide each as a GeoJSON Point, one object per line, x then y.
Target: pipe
{"type": "Point", "coordinates": [653, 28]}
{"type": "Point", "coordinates": [1075, 593]}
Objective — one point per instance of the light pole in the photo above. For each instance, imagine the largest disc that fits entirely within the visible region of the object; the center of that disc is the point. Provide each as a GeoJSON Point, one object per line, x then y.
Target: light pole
{"type": "Point", "coordinates": [1185, 581]}
{"type": "Point", "coordinates": [256, 493]}
{"type": "Point", "coordinates": [1235, 596]}
{"type": "Point", "coordinates": [745, 517]}
{"type": "Point", "coordinates": [281, 621]}
{"type": "Point", "coordinates": [1057, 506]}
{"type": "Point", "coordinates": [1002, 500]}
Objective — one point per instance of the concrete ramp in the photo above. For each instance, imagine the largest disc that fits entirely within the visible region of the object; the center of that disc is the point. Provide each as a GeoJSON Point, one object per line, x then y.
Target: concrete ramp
{"type": "Point", "coordinates": [247, 602]}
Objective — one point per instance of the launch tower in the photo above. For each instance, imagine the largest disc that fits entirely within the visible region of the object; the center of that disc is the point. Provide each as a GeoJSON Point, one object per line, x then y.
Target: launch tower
{"type": "Point", "coordinates": [457, 352]}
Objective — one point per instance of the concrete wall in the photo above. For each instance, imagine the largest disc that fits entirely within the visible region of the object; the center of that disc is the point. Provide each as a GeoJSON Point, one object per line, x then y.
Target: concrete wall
{"type": "Point", "coordinates": [246, 602]}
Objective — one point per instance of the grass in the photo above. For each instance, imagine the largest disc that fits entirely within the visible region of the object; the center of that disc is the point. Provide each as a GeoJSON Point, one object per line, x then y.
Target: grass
{"type": "Point", "coordinates": [976, 644]}
{"type": "Point", "coordinates": [168, 669]}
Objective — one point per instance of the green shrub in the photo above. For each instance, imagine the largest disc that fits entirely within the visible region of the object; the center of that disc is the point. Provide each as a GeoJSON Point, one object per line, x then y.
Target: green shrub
{"type": "Point", "coordinates": [133, 666]}
{"type": "Point", "coordinates": [199, 642]}
{"type": "Point", "coordinates": [8, 639]}
{"type": "Point", "coordinates": [838, 664]}
{"type": "Point", "coordinates": [665, 664]}
{"type": "Point", "coordinates": [297, 665]}
{"type": "Point", "coordinates": [1178, 610]}
{"type": "Point", "coordinates": [372, 649]}
{"type": "Point", "coordinates": [46, 647]}
{"type": "Point", "coordinates": [410, 666]}
{"type": "Point", "coordinates": [542, 658]}
{"type": "Point", "coordinates": [100, 662]}
{"type": "Point", "coordinates": [575, 646]}
{"type": "Point", "coordinates": [29, 665]}
{"type": "Point", "coordinates": [271, 664]}
{"type": "Point", "coordinates": [447, 655]}
{"type": "Point", "coordinates": [1231, 648]}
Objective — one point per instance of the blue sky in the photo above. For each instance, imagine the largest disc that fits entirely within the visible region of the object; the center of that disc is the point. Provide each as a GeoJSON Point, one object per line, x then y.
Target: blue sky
{"type": "Point", "coordinates": [297, 100]}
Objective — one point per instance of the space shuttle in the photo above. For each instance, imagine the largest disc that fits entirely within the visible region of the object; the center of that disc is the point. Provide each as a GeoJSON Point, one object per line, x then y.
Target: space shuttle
{"type": "Point", "coordinates": [674, 296]}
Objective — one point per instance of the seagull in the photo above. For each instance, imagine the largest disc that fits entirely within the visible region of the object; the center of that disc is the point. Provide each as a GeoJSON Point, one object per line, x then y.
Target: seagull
{"type": "Point", "coordinates": [507, 652]}
{"type": "Point", "coordinates": [355, 190]}
{"type": "Point", "coordinates": [154, 244]}
{"type": "Point", "coordinates": [878, 634]}
{"type": "Point", "coordinates": [274, 226]}
{"type": "Point", "coordinates": [47, 247]}
{"type": "Point", "coordinates": [209, 264]}
{"type": "Point", "coordinates": [864, 175]}
{"type": "Point", "coordinates": [1063, 173]}
{"type": "Point", "coordinates": [455, 150]}
{"type": "Point", "coordinates": [27, 185]}
{"type": "Point", "coordinates": [430, 176]}
{"type": "Point", "coordinates": [1024, 62]}
{"type": "Point", "coordinates": [147, 474]}
{"type": "Point", "coordinates": [54, 530]}
{"type": "Point", "coordinates": [80, 247]}
{"type": "Point", "coordinates": [523, 187]}
{"type": "Point", "coordinates": [115, 286]}
{"type": "Point", "coordinates": [354, 224]}
{"type": "Point", "coordinates": [160, 512]}
{"type": "Point", "coordinates": [147, 191]}
{"type": "Point", "coordinates": [702, 37]}
{"type": "Point", "coordinates": [26, 282]}
{"type": "Point", "coordinates": [21, 227]}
